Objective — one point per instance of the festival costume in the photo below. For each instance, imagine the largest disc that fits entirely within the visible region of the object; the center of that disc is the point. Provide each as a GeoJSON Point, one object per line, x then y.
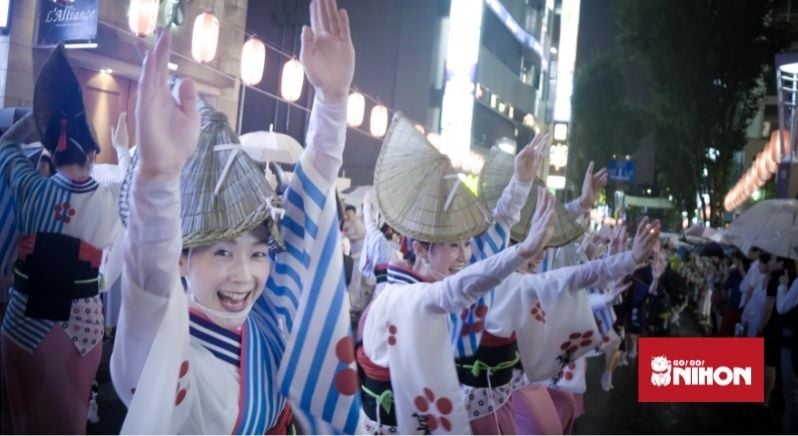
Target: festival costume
{"type": "Point", "coordinates": [494, 374]}
{"type": "Point", "coordinates": [179, 372]}
{"type": "Point", "coordinates": [409, 381]}
{"type": "Point", "coordinates": [55, 310]}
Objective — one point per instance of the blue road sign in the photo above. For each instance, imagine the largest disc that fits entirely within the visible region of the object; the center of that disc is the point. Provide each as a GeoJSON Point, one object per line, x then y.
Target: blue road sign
{"type": "Point", "coordinates": [621, 171]}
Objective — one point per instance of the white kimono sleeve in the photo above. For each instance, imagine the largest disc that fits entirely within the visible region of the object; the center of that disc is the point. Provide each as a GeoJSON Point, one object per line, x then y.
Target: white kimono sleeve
{"type": "Point", "coordinates": [551, 313]}
{"type": "Point", "coordinates": [407, 331]}
{"type": "Point", "coordinates": [512, 200]}
{"type": "Point", "coordinates": [786, 300]}
{"type": "Point", "coordinates": [152, 336]}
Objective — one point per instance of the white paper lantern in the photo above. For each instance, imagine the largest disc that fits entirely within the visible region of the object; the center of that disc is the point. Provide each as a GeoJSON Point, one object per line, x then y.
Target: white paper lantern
{"type": "Point", "coordinates": [292, 80]}
{"type": "Point", "coordinates": [253, 61]}
{"type": "Point", "coordinates": [205, 37]}
{"type": "Point", "coordinates": [142, 16]}
{"type": "Point", "coordinates": [355, 109]}
{"type": "Point", "coordinates": [379, 120]}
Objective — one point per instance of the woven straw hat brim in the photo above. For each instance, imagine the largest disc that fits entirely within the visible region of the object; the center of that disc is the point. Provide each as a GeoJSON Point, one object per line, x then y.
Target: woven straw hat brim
{"type": "Point", "coordinates": [413, 182]}
{"type": "Point", "coordinates": [244, 200]}
{"type": "Point", "coordinates": [496, 175]}
{"type": "Point", "coordinates": [57, 94]}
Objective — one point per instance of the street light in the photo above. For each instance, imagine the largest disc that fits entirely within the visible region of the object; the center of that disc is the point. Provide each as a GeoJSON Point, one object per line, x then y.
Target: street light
{"type": "Point", "coordinates": [787, 90]}
{"type": "Point", "coordinates": [787, 82]}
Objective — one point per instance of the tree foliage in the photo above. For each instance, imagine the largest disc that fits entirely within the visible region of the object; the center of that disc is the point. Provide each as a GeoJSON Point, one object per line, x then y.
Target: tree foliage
{"type": "Point", "coordinates": [705, 61]}
{"type": "Point", "coordinates": [604, 124]}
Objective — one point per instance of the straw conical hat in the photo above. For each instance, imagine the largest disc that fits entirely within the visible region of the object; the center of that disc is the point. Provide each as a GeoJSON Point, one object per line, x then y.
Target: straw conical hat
{"type": "Point", "coordinates": [496, 174]}
{"type": "Point", "coordinates": [58, 105]}
{"type": "Point", "coordinates": [216, 206]}
{"type": "Point", "coordinates": [419, 192]}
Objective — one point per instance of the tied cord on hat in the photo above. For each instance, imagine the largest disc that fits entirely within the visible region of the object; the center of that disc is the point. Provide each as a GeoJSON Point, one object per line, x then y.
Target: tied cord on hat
{"type": "Point", "coordinates": [62, 142]}
{"type": "Point", "coordinates": [62, 136]}
{"type": "Point", "coordinates": [236, 148]}
{"type": "Point", "coordinates": [452, 190]}
{"type": "Point", "coordinates": [275, 205]}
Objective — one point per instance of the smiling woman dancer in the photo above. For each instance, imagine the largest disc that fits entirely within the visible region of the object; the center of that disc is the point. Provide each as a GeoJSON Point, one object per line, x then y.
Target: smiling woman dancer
{"type": "Point", "coordinates": [214, 358]}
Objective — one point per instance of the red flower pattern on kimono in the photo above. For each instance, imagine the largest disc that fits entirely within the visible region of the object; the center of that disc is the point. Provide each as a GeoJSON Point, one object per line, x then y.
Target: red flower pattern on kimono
{"type": "Point", "coordinates": [424, 404]}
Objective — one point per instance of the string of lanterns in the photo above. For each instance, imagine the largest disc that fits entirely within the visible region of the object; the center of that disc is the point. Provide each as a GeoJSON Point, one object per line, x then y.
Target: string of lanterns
{"type": "Point", "coordinates": [762, 169]}
{"type": "Point", "coordinates": [142, 20]}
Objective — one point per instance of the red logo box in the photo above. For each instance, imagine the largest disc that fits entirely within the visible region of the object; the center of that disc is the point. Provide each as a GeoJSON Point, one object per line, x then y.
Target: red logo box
{"type": "Point", "coordinates": [701, 370]}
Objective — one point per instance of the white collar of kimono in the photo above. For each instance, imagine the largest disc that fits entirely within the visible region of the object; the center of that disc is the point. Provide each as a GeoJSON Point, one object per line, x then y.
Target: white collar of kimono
{"type": "Point", "coordinates": [400, 275]}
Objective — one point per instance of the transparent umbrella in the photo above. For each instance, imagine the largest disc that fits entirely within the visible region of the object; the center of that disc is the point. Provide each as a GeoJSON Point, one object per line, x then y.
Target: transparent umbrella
{"type": "Point", "coordinates": [771, 225]}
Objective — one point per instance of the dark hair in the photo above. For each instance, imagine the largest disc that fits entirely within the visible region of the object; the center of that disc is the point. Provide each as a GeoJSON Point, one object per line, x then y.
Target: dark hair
{"type": "Point", "coordinates": [789, 266]}
{"type": "Point", "coordinates": [385, 227]}
{"type": "Point", "coordinates": [764, 257]}
{"type": "Point", "coordinates": [410, 256]}
{"type": "Point", "coordinates": [350, 207]}
{"type": "Point", "coordinates": [742, 258]}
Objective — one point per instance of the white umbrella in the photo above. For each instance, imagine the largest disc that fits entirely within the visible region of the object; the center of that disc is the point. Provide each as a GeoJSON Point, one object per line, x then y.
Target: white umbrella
{"type": "Point", "coordinates": [263, 146]}
{"type": "Point", "coordinates": [771, 225]}
{"type": "Point", "coordinates": [354, 196]}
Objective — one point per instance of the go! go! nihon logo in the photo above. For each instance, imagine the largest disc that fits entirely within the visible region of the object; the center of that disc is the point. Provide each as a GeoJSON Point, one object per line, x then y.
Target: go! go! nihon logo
{"type": "Point", "coordinates": [689, 370]}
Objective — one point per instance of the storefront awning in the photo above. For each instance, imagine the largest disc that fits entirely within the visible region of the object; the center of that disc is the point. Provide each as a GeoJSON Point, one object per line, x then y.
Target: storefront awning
{"type": "Point", "coordinates": [649, 202]}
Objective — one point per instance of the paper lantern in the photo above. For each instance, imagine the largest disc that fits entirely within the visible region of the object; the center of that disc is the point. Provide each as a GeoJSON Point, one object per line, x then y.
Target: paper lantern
{"type": "Point", "coordinates": [142, 16]}
{"type": "Point", "coordinates": [205, 37]}
{"type": "Point", "coordinates": [378, 123]}
{"type": "Point", "coordinates": [772, 148]}
{"type": "Point", "coordinates": [355, 109]}
{"type": "Point", "coordinates": [761, 175]}
{"type": "Point", "coordinates": [253, 61]}
{"type": "Point", "coordinates": [292, 80]}
{"type": "Point", "coordinates": [750, 183]}
{"type": "Point", "coordinates": [761, 170]}
{"type": "Point", "coordinates": [771, 164]}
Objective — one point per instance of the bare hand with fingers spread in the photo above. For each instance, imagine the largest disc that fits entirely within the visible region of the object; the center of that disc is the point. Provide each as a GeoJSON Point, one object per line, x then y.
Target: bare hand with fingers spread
{"type": "Point", "coordinates": [618, 239]}
{"type": "Point", "coordinates": [167, 125]}
{"type": "Point", "coordinates": [328, 55]}
{"type": "Point", "coordinates": [542, 226]}
{"type": "Point", "coordinates": [645, 240]}
{"type": "Point", "coordinates": [616, 289]}
{"type": "Point", "coordinates": [592, 186]}
{"type": "Point", "coordinates": [530, 159]}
